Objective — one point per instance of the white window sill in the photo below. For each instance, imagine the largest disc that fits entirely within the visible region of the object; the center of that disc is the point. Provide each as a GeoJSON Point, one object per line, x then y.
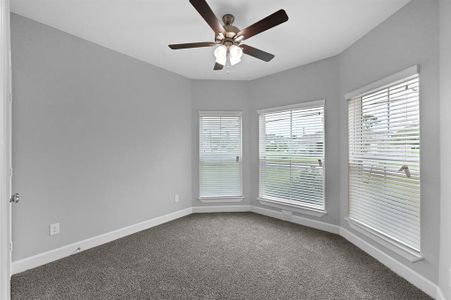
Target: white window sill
{"type": "Point", "coordinates": [298, 208]}
{"type": "Point", "coordinates": [402, 250]}
{"type": "Point", "coordinates": [221, 199]}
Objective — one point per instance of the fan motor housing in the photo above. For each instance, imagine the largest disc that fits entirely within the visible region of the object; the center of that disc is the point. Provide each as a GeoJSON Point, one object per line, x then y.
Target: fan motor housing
{"type": "Point", "coordinates": [230, 31]}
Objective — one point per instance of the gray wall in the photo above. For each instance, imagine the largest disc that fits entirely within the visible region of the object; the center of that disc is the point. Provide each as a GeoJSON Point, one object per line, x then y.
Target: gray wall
{"type": "Point", "coordinates": [407, 38]}
{"type": "Point", "coordinates": [445, 146]}
{"type": "Point", "coordinates": [315, 81]}
{"type": "Point", "coordinates": [100, 140]}
{"type": "Point", "coordinates": [214, 95]}
{"type": "Point", "coordinates": [89, 134]}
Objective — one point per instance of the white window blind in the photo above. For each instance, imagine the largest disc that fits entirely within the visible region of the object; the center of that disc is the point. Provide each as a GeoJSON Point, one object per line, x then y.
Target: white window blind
{"type": "Point", "coordinates": [292, 155]}
{"type": "Point", "coordinates": [384, 161]}
{"type": "Point", "coordinates": [220, 154]}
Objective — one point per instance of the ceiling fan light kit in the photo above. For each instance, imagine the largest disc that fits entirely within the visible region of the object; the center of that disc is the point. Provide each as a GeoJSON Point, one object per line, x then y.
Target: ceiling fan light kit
{"type": "Point", "coordinates": [221, 54]}
{"type": "Point", "coordinates": [233, 52]}
{"type": "Point", "coordinates": [228, 37]}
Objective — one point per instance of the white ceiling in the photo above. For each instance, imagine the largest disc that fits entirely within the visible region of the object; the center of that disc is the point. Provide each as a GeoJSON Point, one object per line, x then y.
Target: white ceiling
{"type": "Point", "coordinates": [316, 29]}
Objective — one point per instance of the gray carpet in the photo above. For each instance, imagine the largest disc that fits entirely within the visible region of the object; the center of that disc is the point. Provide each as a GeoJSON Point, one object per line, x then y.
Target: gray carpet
{"type": "Point", "coordinates": [218, 256]}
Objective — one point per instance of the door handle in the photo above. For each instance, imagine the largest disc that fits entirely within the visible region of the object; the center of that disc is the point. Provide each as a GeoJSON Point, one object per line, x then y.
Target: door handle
{"type": "Point", "coordinates": [15, 198]}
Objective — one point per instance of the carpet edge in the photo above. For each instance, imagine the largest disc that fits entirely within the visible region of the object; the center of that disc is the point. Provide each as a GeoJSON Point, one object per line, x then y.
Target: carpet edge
{"type": "Point", "coordinates": [40, 259]}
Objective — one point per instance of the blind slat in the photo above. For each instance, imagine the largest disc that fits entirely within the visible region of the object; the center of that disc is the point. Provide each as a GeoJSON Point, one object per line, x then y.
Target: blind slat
{"type": "Point", "coordinates": [292, 156]}
{"type": "Point", "coordinates": [219, 155]}
{"type": "Point", "coordinates": [384, 161]}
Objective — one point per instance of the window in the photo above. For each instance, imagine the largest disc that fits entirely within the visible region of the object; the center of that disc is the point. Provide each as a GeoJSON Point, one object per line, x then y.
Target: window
{"type": "Point", "coordinates": [384, 161]}
{"type": "Point", "coordinates": [292, 155]}
{"type": "Point", "coordinates": [220, 155]}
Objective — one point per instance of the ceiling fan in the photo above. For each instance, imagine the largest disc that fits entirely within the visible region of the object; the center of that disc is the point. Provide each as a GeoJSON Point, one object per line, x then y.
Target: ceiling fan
{"type": "Point", "coordinates": [229, 38]}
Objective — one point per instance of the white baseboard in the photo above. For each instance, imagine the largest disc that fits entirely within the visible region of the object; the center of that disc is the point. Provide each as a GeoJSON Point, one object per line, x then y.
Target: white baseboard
{"type": "Point", "coordinates": [296, 219]}
{"type": "Point", "coordinates": [402, 270]}
{"type": "Point", "coordinates": [439, 295]}
{"type": "Point", "coordinates": [55, 254]}
{"type": "Point", "coordinates": [222, 208]}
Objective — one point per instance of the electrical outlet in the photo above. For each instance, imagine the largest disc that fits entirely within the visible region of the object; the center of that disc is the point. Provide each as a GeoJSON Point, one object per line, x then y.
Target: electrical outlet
{"type": "Point", "coordinates": [54, 228]}
{"type": "Point", "coordinates": [177, 198]}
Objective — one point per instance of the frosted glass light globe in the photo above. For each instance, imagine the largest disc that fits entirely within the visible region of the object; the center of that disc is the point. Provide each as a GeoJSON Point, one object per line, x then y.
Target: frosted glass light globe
{"type": "Point", "coordinates": [235, 54]}
{"type": "Point", "coordinates": [221, 54]}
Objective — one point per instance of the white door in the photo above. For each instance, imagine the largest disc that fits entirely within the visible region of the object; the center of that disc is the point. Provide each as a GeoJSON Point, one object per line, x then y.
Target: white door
{"type": "Point", "coordinates": [5, 151]}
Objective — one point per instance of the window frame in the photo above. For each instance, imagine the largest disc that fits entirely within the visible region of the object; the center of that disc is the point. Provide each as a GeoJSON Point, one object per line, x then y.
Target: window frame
{"type": "Point", "coordinates": [220, 113]}
{"type": "Point", "coordinates": [381, 238]}
{"type": "Point", "coordinates": [287, 204]}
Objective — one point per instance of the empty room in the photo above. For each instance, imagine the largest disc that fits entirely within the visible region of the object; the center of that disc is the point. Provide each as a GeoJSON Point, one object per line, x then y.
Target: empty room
{"type": "Point", "coordinates": [225, 149]}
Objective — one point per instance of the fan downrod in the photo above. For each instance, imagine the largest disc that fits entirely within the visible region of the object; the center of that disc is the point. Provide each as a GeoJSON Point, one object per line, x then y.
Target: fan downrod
{"type": "Point", "coordinates": [230, 30]}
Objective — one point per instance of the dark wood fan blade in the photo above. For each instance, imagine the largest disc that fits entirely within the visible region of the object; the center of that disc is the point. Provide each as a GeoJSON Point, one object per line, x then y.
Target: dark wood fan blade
{"type": "Point", "coordinates": [191, 45]}
{"type": "Point", "coordinates": [269, 22]}
{"type": "Point", "coordinates": [257, 53]}
{"type": "Point", "coordinates": [218, 67]}
{"type": "Point", "coordinates": [205, 11]}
